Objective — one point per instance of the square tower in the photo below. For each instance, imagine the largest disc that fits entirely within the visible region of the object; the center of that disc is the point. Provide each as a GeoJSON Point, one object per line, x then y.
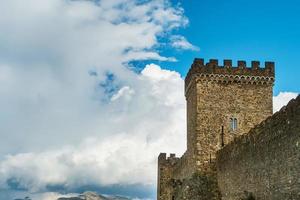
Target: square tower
{"type": "Point", "coordinates": [224, 102]}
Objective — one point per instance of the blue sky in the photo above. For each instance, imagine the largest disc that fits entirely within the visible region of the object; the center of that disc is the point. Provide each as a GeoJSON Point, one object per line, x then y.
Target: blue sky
{"type": "Point", "coordinates": [260, 30]}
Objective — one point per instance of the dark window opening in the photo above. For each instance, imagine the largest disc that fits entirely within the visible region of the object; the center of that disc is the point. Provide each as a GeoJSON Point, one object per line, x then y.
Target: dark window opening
{"type": "Point", "coordinates": [233, 124]}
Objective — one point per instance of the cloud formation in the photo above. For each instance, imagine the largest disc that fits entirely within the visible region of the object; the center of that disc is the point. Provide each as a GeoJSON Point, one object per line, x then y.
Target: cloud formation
{"type": "Point", "coordinates": [149, 122]}
{"type": "Point", "coordinates": [180, 42]}
{"type": "Point", "coordinates": [73, 112]}
{"type": "Point", "coordinates": [47, 53]}
{"type": "Point", "coordinates": [282, 99]}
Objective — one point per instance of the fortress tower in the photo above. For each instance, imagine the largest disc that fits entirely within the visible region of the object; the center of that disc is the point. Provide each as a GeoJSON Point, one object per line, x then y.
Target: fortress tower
{"type": "Point", "coordinates": [223, 102]}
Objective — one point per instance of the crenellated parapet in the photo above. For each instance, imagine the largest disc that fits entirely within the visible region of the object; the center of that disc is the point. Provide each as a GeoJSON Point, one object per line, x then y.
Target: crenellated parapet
{"type": "Point", "coordinates": [170, 160]}
{"type": "Point", "coordinates": [165, 175]}
{"type": "Point", "coordinates": [227, 73]}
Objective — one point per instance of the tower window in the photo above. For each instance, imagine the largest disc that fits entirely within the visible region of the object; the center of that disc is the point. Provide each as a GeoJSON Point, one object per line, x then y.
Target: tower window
{"type": "Point", "coordinates": [233, 124]}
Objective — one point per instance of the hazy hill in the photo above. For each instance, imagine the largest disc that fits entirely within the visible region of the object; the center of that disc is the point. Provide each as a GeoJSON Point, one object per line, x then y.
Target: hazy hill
{"type": "Point", "coordinates": [93, 196]}
{"type": "Point", "coordinates": [87, 196]}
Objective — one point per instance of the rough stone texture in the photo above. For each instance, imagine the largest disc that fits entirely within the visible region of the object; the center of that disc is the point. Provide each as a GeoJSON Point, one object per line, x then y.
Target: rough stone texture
{"type": "Point", "coordinates": [216, 104]}
{"type": "Point", "coordinates": [266, 161]}
{"type": "Point", "coordinates": [198, 187]}
{"type": "Point", "coordinates": [241, 72]}
{"type": "Point", "coordinates": [214, 94]}
{"type": "Point", "coordinates": [165, 174]}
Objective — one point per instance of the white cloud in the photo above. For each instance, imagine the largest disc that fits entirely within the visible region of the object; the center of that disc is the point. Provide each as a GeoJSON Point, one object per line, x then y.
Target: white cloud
{"type": "Point", "coordinates": [151, 122]}
{"type": "Point", "coordinates": [148, 56]}
{"type": "Point", "coordinates": [125, 92]}
{"type": "Point", "coordinates": [180, 42]}
{"type": "Point", "coordinates": [282, 99]}
{"type": "Point", "coordinates": [72, 112]}
{"type": "Point", "coordinates": [46, 53]}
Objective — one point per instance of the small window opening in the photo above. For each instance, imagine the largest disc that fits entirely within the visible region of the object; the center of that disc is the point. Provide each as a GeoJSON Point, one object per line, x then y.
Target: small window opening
{"type": "Point", "coordinates": [233, 124]}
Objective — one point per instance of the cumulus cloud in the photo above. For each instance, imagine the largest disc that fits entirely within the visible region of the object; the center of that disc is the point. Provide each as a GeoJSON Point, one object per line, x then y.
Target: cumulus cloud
{"type": "Point", "coordinates": [124, 92]}
{"type": "Point", "coordinates": [282, 99]}
{"type": "Point", "coordinates": [72, 111]}
{"type": "Point", "coordinates": [180, 42]}
{"type": "Point", "coordinates": [47, 51]}
{"type": "Point", "coordinates": [150, 122]}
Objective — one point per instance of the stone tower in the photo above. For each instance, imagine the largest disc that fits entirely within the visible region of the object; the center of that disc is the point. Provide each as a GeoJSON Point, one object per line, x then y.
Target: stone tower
{"type": "Point", "coordinates": [223, 102]}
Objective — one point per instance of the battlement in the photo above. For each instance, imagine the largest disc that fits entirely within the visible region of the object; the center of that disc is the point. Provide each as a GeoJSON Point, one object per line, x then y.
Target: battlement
{"type": "Point", "coordinates": [227, 73]}
{"type": "Point", "coordinates": [163, 159]}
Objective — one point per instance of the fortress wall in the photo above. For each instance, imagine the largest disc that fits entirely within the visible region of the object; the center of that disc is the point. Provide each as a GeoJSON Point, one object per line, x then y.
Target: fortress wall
{"type": "Point", "coordinates": [165, 176]}
{"type": "Point", "coordinates": [265, 162]}
{"type": "Point", "coordinates": [171, 170]}
{"type": "Point", "coordinates": [217, 103]}
{"type": "Point", "coordinates": [183, 169]}
{"type": "Point", "coordinates": [218, 94]}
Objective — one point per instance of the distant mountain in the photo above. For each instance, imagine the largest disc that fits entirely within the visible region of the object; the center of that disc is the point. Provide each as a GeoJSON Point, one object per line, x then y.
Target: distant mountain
{"type": "Point", "coordinates": [26, 198]}
{"type": "Point", "coordinates": [93, 196]}
{"type": "Point", "coordinates": [87, 196]}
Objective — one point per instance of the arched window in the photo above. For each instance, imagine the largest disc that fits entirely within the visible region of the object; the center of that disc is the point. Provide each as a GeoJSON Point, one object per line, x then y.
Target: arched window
{"type": "Point", "coordinates": [233, 124]}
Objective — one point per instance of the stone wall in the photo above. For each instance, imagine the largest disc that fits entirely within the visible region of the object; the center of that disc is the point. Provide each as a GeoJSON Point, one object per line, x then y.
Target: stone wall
{"type": "Point", "coordinates": [191, 102]}
{"type": "Point", "coordinates": [215, 95]}
{"type": "Point", "coordinates": [198, 187]}
{"type": "Point", "coordinates": [266, 162]}
{"type": "Point", "coordinates": [217, 103]}
{"type": "Point", "coordinates": [165, 176]}
{"type": "Point", "coordinates": [213, 67]}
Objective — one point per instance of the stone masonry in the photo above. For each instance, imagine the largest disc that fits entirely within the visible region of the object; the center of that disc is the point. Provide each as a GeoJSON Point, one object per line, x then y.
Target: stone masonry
{"type": "Point", "coordinates": [223, 104]}
{"type": "Point", "coordinates": [265, 162]}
